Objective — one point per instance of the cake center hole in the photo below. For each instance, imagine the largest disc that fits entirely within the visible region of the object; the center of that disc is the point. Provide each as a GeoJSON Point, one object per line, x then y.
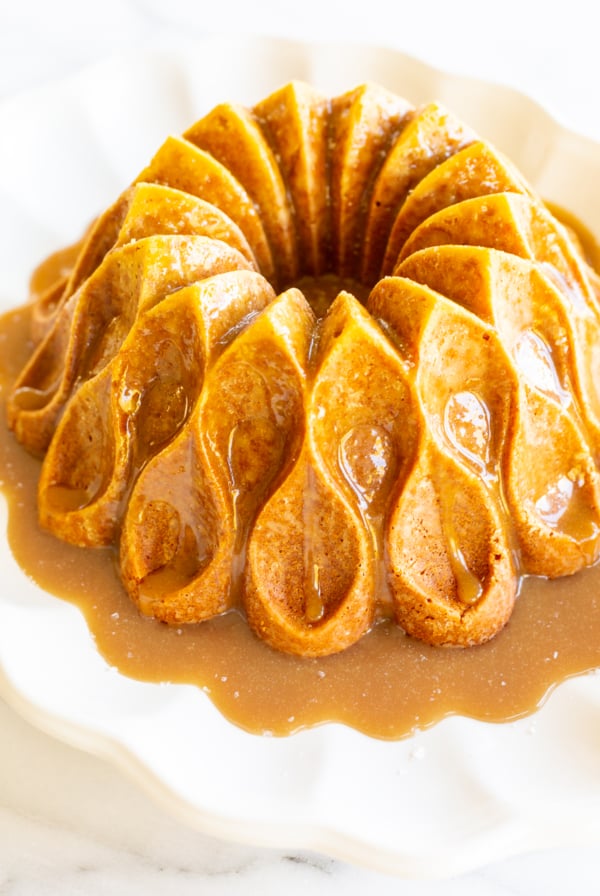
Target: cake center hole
{"type": "Point", "coordinates": [320, 291]}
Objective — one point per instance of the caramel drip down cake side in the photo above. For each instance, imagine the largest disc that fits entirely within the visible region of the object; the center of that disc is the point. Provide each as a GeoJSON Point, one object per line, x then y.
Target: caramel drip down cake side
{"type": "Point", "coordinates": [187, 520]}
{"type": "Point", "coordinates": [91, 326]}
{"type": "Point", "coordinates": [403, 439]}
{"type": "Point", "coordinates": [315, 552]}
{"type": "Point", "coordinates": [449, 547]}
{"type": "Point", "coordinates": [119, 418]}
{"type": "Point", "coordinates": [553, 503]}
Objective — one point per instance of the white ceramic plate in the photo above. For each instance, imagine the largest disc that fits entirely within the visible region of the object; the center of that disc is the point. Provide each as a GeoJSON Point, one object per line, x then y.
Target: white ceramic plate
{"type": "Point", "coordinates": [449, 799]}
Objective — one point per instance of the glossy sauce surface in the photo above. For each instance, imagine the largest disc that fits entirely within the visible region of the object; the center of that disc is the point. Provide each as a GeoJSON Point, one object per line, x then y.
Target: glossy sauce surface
{"type": "Point", "coordinates": [387, 685]}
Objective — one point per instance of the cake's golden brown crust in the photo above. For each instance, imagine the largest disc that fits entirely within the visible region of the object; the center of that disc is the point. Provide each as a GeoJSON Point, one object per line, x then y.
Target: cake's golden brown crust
{"type": "Point", "coordinates": [430, 136]}
{"type": "Point", "coordinates": [232, 135]}
{"type": "Point", "coordinates": [135, 405]}
{"type": "Point", "coordinates": [183, 166]}
{"type": "Point", "coordinates": [191, 509]}
{"type": "Point", "coordinates": [407, 448]}
{"type": "Point", "coordinates": [92, 325]}
{"type": "Point", "coordinates": [295, 121]}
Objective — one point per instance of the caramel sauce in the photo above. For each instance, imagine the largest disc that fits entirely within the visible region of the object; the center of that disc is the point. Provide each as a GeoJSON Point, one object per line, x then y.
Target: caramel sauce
{"type": "Point", "coordinates": [387, 685]}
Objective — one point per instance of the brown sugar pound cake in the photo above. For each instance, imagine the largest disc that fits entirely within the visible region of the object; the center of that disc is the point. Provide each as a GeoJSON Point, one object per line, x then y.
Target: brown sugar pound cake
{"type": "Point", "coordinates": [326, 361]}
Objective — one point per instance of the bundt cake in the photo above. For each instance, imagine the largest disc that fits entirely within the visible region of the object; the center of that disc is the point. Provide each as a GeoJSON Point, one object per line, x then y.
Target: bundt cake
{"type": "Point", "coordinates": [326, 361]}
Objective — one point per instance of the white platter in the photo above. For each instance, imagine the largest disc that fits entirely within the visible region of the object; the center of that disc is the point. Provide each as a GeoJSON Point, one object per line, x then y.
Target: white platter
{"type": "Point", "coordinates": [443, 801]}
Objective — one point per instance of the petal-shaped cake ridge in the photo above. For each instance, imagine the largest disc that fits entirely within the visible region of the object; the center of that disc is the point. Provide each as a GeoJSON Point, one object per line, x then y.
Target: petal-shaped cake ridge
{"type": "Point", "coordinates": [556, 522]}
{"type": "Point", "coordinates": [363, 124]}
{"type": "Point", "coordinates": [326, 360]}
{"type": "Point", "coordinates": [476, 171]}
{"type": "Point", "coordinates": [186, 524]}
{"type": "Point", "coordinates": [517, 224]}
{"type": "Point", "coordinates": [120, 418]}
{"type": "Point", "coordinates": [551, 339]}
{"type": "Point", "coordinates": [315, 554]}
{"type": "Point", "coordinates": [430, 136]}
{"type": "Point", "coordinates": [232, 135]}
{"type": "Point", "coordinates": [555, 503]}
{"type": "Point", "coordinates": [142, 210]}
{"type": "Point", "coordinates": [295, 120]}
{"type": "Point", "coordinates": [93, 323]}
{"type": "Point", "coordinates": [184, 166]}
{"type": "Point", "coordinates": [449, 550]}
{"type": "Point", "coordinates": [154, 209]}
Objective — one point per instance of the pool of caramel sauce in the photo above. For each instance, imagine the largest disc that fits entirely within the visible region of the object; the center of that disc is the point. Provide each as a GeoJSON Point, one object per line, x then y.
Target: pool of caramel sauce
{"type": "Point", "coordinates": [387, 685]}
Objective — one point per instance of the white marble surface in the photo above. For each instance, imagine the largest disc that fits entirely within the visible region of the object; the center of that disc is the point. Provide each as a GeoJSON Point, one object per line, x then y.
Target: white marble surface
{"type": "Point", "coordinates": [69, 822]}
